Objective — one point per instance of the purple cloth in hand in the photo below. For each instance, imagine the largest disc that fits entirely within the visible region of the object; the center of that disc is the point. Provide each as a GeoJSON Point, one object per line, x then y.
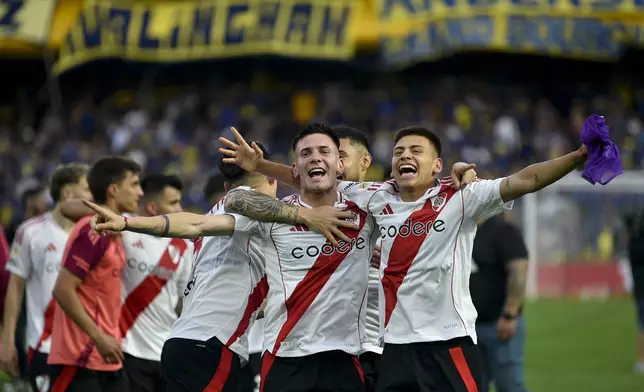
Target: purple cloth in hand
{"type": "Point", "coordinates": [603, 162]}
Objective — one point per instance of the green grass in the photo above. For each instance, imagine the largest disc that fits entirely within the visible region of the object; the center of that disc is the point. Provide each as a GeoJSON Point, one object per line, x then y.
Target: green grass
{"type": "Point", "coordinates": [581, 346]}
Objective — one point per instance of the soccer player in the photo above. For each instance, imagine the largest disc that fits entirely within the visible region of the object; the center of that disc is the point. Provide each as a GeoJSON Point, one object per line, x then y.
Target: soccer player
{"type": "Point", "coordinates": [315, 312]}
{"type": "Point", "coordinates": [427, 229]}
{"type": "Point", "coordinates": [154, 278]}
{"type": "Point", "coordinates": [226, 286]}
{"type": "Point", "coordinates": [85, 350]}
{"type": "Point", "coordinates": [356, 158]}
{"type": "Point", "coordinates": [34, 264]}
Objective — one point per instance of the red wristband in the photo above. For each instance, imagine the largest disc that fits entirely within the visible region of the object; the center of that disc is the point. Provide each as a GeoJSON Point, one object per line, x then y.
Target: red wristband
{"type": "Point", "coordinates": [125, 219]}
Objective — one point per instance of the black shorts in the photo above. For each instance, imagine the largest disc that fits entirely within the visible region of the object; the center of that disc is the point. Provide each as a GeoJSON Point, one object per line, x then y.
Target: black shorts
{"type": "Point", "coordinates": [143, 375]}
{"type": "Point", "coordinates": [38, 370]}
{"type": "Point", "coordinates": [249, 377]}
{"type": "Point", "coordinates": [370, 362]}
{"type": "Point", "coordinates": [449, 366]}
{"type": "Point", "coordinates": [331, 371]}
{"type": "Point", "coordinates": [196, 366]}
{"type": "Point", "coordinates": [75, 379]}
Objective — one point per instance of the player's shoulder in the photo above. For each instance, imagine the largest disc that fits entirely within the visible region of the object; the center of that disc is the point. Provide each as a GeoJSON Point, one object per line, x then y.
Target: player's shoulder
{"type": "Point", "coordinates": [32, 225]}
{"type": "Point", "coordinates": [368, 187]}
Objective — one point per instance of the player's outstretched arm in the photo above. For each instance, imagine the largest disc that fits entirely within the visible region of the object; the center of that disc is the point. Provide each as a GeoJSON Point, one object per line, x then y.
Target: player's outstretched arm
{"type": "Point", "coordinates": [177, 225]}
{"type": "Point", "coordinates": [325, 220]}
{"type": "Point", "coordinates": [540, 175]}
{"type": "Point", "coordinates": [251, 158]}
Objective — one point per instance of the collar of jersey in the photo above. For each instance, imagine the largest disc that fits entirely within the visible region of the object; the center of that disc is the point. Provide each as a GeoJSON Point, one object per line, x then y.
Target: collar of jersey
{"type": "Point", "coordinates": [339, 199]}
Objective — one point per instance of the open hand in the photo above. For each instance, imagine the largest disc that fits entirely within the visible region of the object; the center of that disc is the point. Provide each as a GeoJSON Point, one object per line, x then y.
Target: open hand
{"type": "Point", "coordinates": [105, 220]}
{"type": "Point", "coordinates": [241, 154]}
{"type": "Point", "coordinates": [327, 221]}
{"type": "Point", "coordinates": [462, 174]}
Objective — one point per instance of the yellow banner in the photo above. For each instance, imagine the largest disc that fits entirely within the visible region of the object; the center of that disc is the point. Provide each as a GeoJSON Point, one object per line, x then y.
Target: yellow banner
{"type": "Point", "coordinates": [421, 30]}
{"type": "Point", "coordinates": [26, 20]}
{"type": "Point", "coordinates": [207, 29]}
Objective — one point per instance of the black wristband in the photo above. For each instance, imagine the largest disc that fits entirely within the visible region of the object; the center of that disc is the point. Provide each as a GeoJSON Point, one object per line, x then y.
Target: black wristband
{"type": "Point", "coordinates": [508, 316]}
{"type": "Point", "coordinates": [166, 225]}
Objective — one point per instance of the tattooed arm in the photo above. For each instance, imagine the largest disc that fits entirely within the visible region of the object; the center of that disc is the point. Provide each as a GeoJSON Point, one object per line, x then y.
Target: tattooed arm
{"type": "Point", "coordinates": [259, 206]}
{"type": "Point", "coordinates": [540, 175]}
{"type": "Point", "coordinates": [517, 279]}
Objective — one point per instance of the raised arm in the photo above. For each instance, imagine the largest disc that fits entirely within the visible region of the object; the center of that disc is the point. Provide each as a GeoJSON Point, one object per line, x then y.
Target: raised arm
{"type": "Point", "coordinates": [177, 225]}
{"type": "Point", "coordinates": [540, 175]}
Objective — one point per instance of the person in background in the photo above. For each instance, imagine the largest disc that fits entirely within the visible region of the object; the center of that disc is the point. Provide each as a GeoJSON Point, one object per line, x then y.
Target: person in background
{"type": "Point", "coordinates": [497, 285]}
{"type": "Point", "coordinates": [635, 226]}
{"type": "Point", "coordinates": [86, 352]}
{"type": "Point", "coordinates": [36, 254]}
{"type": "Point", "coordinates": [34, 203]}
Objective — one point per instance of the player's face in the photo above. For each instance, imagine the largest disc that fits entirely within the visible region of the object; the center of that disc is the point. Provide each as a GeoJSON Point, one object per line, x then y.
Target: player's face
{"type": "Point", "coordinates": [317, 163]}
{"type": "Point", "coordinates": [168, 202]}
{"type": "Point", "coordinates": [350, 157]}
{"type": "Point", "coordinates": [415, 162]}
{"type": "Point", "coordinates": [80, 190]}
{"type": "Point", "coordinates": [128, 193]}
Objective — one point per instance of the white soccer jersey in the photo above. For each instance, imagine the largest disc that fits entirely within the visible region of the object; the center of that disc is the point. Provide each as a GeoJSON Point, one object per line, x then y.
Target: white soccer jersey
{"type": "Point", "coordinates": [36, 256]}
{"type": "Point", "coordinates": [426, 255]}
{"type": "Point", "coordinates": [373, 331]}
{"type": "Point", "coordinates": [256, 337]}
{"type": "Point", "coordinates": [226, 288]}
{"type": "Point", "coordinates": [317, 295]}
{"type": "Point", "coordinates": [156, 273]}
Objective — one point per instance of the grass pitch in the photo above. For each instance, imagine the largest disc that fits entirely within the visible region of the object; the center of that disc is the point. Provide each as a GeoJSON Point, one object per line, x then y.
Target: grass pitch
{"type": "Point", "coordinates": [581, 346]}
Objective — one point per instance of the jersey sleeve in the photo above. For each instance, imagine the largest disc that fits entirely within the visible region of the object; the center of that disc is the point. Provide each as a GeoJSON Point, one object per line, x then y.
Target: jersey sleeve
{"type": "Point", "coordinates": [246, 225]}
{"type": "Point", "coordinates": [20, 263]}
{"type": "Point", "coordinates": [482, 199]}
{"type": "Point", "coordinates": [84, 251]}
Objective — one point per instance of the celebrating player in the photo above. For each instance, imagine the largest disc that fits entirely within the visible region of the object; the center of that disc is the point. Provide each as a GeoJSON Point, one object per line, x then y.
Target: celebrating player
{"type": "Point", "coordinates": [85, 349]}
{"type": "Point", "coordinates": [34, 265]}
{"type": "Point", "coordinates": [238, 287]}
{"type": "Point", "coordinates": [356, 159]}
{"type": "Point", "coordinates": [156, 274]}
{"type": "Point", "coordinates": [427, 229]}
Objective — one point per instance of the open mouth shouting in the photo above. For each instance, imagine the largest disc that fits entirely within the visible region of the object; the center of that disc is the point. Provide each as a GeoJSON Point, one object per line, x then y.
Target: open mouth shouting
{"type": "Point", "coordinates": [407, 171]}
{"type": "Point", "coordinates": [317, 172]}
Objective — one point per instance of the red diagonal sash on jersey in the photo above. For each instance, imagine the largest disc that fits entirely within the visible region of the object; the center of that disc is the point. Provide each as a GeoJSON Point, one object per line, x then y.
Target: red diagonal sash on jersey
{"type": "Point", "coordinates": [143, 295]}
{"type": "Point", "coordinates": [255, 300]}
{"type": "Point", "coordinates": [405, 249]}
{"type": "Point", "coordinates": [310, 286]}
{"type": "Point", "coordinates": [46, 332]}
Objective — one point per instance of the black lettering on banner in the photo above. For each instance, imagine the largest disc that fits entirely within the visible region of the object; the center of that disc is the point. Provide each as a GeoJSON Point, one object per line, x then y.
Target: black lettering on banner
{"type": "Point", "coordinates": [9, 10]}
{"type": "Point", "coordinates": [418, 229]}
{"type": "Point", "coordinates": [327, 249]}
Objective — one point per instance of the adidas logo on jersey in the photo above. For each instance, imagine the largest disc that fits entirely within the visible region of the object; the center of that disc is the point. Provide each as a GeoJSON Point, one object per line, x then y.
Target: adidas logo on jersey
{"type": "Point", "coordinates": [299, 228]}
{"type": "Point", "coordinates": [51, 247]}
{"type": "Point", "coordinates": [387, 210]}
{"type": "Point", "coordinates": [138, 244]}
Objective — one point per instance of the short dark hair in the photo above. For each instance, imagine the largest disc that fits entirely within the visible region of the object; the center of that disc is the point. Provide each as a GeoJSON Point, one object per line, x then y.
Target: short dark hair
{"type": "Point", "coordinates": [108, 171]}
{"type": "Point", "coordinates": [214, 185]}
{"type": "Point", "coordinates": [235, 174]}
{"type": "Point", "coordinates": [30, 192]}
{"type": "Point", "coordinates": [68, 174]}
{"type": "Point", "coordinates": [419, 131]}
{"type": "Point", "coordinates": [354, 135]}
{"type": "Point", "coordinates": [154, 184]}
{"type": "Point", "coordinates": [313, 129]}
